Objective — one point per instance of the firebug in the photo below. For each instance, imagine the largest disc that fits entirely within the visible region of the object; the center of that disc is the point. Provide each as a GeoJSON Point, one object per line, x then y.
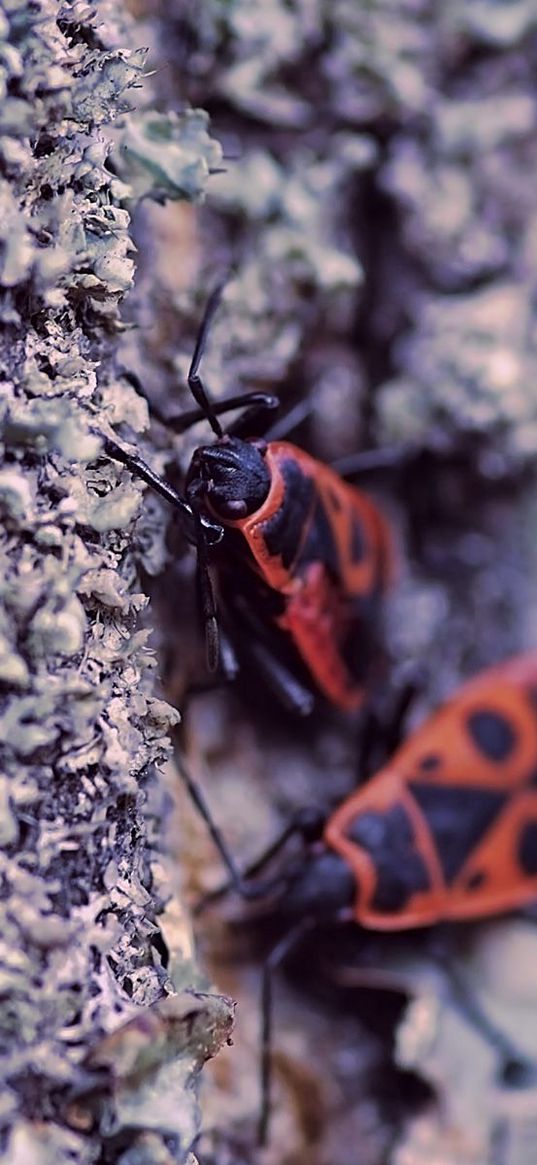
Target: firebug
{"type": "Point", "coordinates": [445, 832]}
{"type": "Point", "coordinates": [301, 558]}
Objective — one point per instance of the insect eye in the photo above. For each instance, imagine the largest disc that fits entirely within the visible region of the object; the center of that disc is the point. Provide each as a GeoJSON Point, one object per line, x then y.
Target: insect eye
{"type": "Point", "coordinates": [236, 508]}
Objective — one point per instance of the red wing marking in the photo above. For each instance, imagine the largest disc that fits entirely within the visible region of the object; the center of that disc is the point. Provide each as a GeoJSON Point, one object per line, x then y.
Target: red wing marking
{"type": "Point", "coordinates": [315, 618]}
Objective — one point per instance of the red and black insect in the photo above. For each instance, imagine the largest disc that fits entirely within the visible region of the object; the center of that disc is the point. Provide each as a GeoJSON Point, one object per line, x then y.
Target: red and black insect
{"type": "Point", "coordinates": [446, 831]}
{"type": "Point", "coordinates": [302, 559]}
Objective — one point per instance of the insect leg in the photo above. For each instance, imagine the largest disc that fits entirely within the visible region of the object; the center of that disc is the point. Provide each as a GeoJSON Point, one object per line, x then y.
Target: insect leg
{"type": "Point", "coordinates": [274, 960]}
{"type": "Point", "coordinates": [402, 701]}
{"type": "Point", "coordinates": [228, 670]}
{"type": "Point", "coordinates": [382, 729]}
{"type": "Point", "coordinates": [255, 404]}
{"type": "Point", "coordinates": [139, 468]}
{"type": "Point", "coordinates": [515, 1068]}
{"type": "Point", "coordinates": [370, 735]}
{"type": "Point", "coordinates": [206, 599]}
{"type": "Point", "coordinates": [264, 402]}
{"type": "Point", "coordinates": [375, 460]}
{"type": "Point", "coordinates": [229, 663]}
{"type": "Point", "coordinates": [285, 425]}
{"type": "Point", "coordinates": [307, 823]}
{"type": "Point", "coordinates": [240, 881]}
{"type": "Point", "coordinates": [253, 421]}
{"type": "Point", "coordinates": [292, 693]}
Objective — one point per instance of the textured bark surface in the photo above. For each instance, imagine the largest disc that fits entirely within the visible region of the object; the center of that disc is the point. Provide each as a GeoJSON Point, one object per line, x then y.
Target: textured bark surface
{"type": "Point", "coordinates": [99, 1051]}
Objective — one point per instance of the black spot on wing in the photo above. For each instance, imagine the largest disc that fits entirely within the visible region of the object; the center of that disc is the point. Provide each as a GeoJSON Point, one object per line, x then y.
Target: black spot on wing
{"type": "Point", "coordinates": [283, 532]}
{"type": "Point", "coordinates": [492, 734]}
{"type": "Point", "coordinates": [475, 880]}
{"type": "Point", "coordinates": [389, 839]}
{"type": "Point", "coordinates": [430, 762]}
{"type": "Point", "coordinates": [319, 545]}
{"type": "Point", "coordinates": [458, 819]}
{"type": "Point", "coordinates": [527, 849]}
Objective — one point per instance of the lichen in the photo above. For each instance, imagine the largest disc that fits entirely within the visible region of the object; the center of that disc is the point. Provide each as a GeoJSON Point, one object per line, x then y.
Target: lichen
{"type": "Point", "coordinates": [81, 730]}
{"type": "Point", "coordinates": [167, 156]}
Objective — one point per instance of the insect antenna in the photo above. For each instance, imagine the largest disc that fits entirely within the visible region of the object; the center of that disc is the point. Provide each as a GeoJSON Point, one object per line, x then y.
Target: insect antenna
{"type": "Point", "coordinates": [194, 380]}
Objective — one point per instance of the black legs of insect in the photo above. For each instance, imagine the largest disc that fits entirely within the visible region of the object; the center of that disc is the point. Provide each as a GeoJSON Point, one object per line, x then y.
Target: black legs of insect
{"type": "Point", "coordinates": [212, 532]}
{"type": "Point", "coordinates": [140, 468]}
{"type": "Point", "coordinates": [382, 728]}
{"type": "Point", "coordinates": [251, 637]}
{"type": "Point", "coordinates": [198, 529]}
{"type": "Point", "coordinates": [514, 1068]}
{"type": "Point", "coordinates": [206, 598]}
{"type": "Point", "coordinates": [374, 460]}
{"type": "Point", "coordinates": [255, 407]}
{"type": "Point", "coordinates": [276, 957]}
{"type": "Point", "coordinates": [307, 824]}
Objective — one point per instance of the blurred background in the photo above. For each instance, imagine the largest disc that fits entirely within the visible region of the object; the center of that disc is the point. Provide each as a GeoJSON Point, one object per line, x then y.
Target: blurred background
{"type": "Point", "coordinates": [376, 208]}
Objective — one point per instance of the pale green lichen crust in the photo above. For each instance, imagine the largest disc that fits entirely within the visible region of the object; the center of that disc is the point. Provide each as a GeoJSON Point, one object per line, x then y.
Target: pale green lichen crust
{"type": "Point", "coordinates": [80, 731]}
